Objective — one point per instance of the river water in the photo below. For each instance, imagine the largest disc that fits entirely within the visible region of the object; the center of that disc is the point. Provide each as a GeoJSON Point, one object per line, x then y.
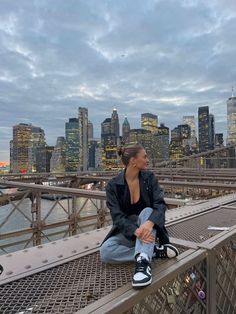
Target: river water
{"type": "Point", "coordinates": [18, 221]}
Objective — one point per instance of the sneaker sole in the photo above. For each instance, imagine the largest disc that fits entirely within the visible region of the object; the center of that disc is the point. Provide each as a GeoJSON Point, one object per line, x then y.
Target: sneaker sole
{"type": "Point", "coordinates": [173, 248]}
{"type": "Point", "coordinates": [141, 284]}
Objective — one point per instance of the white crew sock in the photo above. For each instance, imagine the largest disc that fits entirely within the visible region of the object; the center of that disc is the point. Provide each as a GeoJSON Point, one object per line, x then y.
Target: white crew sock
{"type": "Point", "coordinates": [143, 255]}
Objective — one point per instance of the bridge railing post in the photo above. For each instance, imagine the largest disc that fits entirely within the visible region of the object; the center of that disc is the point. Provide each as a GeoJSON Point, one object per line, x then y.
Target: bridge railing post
{"type": "Point", "coordinates": [101, 212]}
{"type": "Point", "coordinates": [211, 282]}
{"type": "Point", "coordinates": [72, 217]}
{"type": "Point", "coordinates": [36, 218]}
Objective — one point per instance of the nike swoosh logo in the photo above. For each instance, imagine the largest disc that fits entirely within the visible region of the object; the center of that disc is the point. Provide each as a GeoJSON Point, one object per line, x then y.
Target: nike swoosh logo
{"type": "Point", "coordinates": [149, 271]}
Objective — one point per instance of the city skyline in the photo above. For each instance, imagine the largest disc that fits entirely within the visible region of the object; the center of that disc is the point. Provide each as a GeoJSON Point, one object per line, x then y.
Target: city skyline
{"type": "Point", "coordinates": [163, 57]}
{"type": "Point", "coordinates": [121, 120]}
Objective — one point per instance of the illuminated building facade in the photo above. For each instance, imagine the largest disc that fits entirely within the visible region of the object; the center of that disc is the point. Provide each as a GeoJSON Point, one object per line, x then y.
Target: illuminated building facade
{"type": "Point", "coordinates": [72, 145]}
{"type": "Point", "coordinates": [203, 128]}
{"type": "Point", "coordinates": [190, 120]}
{"type": "Point", "coordinates": [27, 151]}
{"type": "Point", "coordinates": [143, 137]}
{"type": "Point", "coordinates": [149, 122]}
{"type": "Point", "coordinates": [180, 137]}
{"type": "Point", "coordinates": [21, 145]}
{"type": "Point", "coordinates": [109, 145]}
{"type": "Point", "coordinates": [161, 144]}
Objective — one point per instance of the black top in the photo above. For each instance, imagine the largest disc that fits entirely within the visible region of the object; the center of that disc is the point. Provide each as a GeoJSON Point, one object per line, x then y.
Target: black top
{"type": "Point", "coordinates": [136, 208]}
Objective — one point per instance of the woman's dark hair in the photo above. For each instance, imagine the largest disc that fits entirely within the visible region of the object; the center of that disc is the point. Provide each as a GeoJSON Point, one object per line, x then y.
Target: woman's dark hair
{"type": "Point", "coordinates": [128, 152]}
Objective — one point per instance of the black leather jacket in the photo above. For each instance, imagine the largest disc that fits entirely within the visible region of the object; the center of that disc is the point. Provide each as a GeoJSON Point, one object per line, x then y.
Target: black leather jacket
{"type": "Point", "coordinates": [117, 192]}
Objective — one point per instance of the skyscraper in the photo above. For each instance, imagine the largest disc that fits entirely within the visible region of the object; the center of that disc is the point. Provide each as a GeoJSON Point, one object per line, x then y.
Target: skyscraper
{"type": "Point", "coordinates": [219, 140]}
{"type": "Point", "coordinates": [58, 159]}
{"type": "Point", "coordinates": [108, 145]}
{"type": "Point", "coordinates": [72, 144]}
{"type": "Point", "coordinates": [38, 144]}
{"type": "Point", "coordinates": [83, 138]}
{"type": "Point", "coordinates": [231, 119]}
{"type": "Point", "coordinates": [21, 144]}
{"type": "Point", "coordinates": [190, 120]}
{"type": "Point", "coordinates": [27, 139]}
{"type": "Point", "coordinates": [211, 131]}
{"type": "Point", "coordinates": [161, 144]}
{"type": "Point", "coordinates": [149, 122]}
{"type": "Point", "coordinates": [180, 137]}
{"type": "Point", "coordinates": [143, 137]}
{"type": "Point", "coordinates": [203, 128]}
{"type": "Point", "coordinates": [90, 130]}
{"type": "Point", "coordinates": [93, 149]}
{"type": "Point", "coordinates": [115, 126]}
{"type": "Point", "coordinates": [125, 130]}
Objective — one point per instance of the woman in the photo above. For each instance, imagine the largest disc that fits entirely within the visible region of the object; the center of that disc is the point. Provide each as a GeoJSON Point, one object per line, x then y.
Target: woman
{"type": "Point", "coordinates": [137, 209]}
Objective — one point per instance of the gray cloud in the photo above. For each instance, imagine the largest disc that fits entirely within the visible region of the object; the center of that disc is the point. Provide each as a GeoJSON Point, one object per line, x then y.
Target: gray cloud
{"type": "Point", "coordinates": [165, 57]}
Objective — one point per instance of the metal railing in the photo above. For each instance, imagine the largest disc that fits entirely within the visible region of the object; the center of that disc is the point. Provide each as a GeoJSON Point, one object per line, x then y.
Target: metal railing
{"type": "Point", "coordinates": [28, 221]}
{"type": "Point", "coordinates": [203, 280]}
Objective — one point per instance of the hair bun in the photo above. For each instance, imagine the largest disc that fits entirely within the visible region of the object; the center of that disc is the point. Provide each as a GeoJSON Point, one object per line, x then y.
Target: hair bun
{"type": "Point", "coordinates": [120, 151]}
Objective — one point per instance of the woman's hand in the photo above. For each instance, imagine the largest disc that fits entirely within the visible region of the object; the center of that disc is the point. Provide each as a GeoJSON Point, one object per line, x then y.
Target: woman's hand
{"type": "Point", "coordinates": [144, 232]}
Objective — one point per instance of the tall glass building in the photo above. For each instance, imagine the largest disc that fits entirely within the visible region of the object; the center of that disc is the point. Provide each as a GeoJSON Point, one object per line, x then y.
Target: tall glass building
{"type": "Point", "coordinates": [211, 131]}
{"type": "Point", "coordinates": [72, 144]}
{"type": "Point", "coordinates": [37, 147]}
{"type": "Point", "coordinates": [143, 137]}
{"type": "Point", "coordinates": [90, 130]}
{"type": "Point", "coordinates": [161, 144]}
{"type": "Point", "coordinates": [115, 126]}
{"type": "Point", "coordinates": [190, 120]}
{"type": "Point", "coordinates": [203, 128]}
{"type": "Point", "coordinates": [231, 119]}
{"type": "Point", "coordinates": [83, 138]}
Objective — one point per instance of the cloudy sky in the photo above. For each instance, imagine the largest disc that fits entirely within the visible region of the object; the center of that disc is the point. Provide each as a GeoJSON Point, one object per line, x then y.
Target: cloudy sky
{"type": "Point", "coordinates": [167, 57]}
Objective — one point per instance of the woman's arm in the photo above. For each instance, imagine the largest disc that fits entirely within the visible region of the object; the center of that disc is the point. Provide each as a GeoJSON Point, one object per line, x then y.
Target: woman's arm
{"type": "Point", "coordinates": [158, 203]}
{"type": "Point", "coordinates": [126, 226]}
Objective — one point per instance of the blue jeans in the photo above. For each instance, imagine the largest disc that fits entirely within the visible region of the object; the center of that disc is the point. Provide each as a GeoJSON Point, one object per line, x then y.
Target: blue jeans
{"type": "Point", "coordinates": [118, 248]}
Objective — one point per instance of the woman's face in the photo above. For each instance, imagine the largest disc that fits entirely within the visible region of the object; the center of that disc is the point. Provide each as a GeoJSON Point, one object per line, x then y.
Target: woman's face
{"type": "Point", "coordinates": [141, 160]}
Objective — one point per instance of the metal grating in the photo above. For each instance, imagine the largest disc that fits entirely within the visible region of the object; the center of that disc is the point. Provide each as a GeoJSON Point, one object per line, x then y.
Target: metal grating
{"type": "Point", "coordinates": [226, 278]}
{"type": "Point", "coordinates": [72, 286]}
{"type": "Point", "coordinates": [195, 229]}
{"type": "Point", "coordinates": [64, 289]}
{"type": "Point", "coordinates": [185, 294]}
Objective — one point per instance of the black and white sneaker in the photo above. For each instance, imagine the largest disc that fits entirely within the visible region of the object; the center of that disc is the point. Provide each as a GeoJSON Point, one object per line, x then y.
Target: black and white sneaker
{"type": "Point", "coordinates": [1, 269]}
{"type": "Point", "coordinates": [142, 274]}
{"type": "Point", "coordinates": [165, 251]}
